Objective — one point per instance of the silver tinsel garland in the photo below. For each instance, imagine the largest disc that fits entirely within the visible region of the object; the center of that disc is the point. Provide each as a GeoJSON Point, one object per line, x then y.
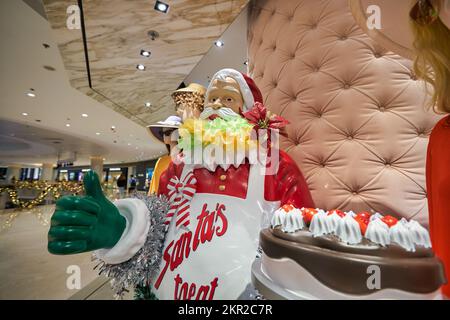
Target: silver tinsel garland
{"type": "Point", "coordinates": [142, 267]}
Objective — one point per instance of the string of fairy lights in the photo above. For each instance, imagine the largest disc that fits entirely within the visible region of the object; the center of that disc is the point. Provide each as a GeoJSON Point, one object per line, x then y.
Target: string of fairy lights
{"type": "Point", "coordinates": [44, 188]}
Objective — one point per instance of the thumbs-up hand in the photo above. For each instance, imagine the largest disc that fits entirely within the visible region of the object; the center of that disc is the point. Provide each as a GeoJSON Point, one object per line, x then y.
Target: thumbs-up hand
{"type": "Point", "coordinates": [87, 223]}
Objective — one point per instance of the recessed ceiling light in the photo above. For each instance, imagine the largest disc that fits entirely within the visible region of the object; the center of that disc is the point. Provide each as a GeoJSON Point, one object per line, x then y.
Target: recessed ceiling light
{"type": "Point", "coordinates": [145, 53]}
{"type": "Point", "coordinates": [161, 6]}
{"type": "Point", "coordinates": [148, 104]}
{"type": "Point", "coordinates": [246, 63]}
{"type": "Point", "coordinates": [31, 94]}
{"type": "Point", "coordinates": [24, 114]}
{"type": "Point", "coordinates": [113, 127]}
{"type": "Point", "coordinates": [67, 124]}
{"type": "Point", "coordinates": [84, 115]}
{"type": "Point", "coordinates": [219, 43]}
{"type": "Point", "coordinates": [140, 67]}
{"type": "Point", "coordinates": [129, 144]}
{"type": "Point", "coordinates": [97, 133]}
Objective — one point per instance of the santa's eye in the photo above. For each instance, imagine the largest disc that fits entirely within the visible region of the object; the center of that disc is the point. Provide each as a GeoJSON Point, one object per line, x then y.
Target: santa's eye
{"type": "Point", "coordinates": [229, 99]}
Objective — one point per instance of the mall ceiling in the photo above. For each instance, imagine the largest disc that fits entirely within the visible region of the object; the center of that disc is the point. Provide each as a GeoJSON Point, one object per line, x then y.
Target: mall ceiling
{"type": "Point", "coordinates": [115, 33]}
{"type": "Point", "coordinates": [39, 107]}
{"type": "Point", "coordinates": [26, 143]}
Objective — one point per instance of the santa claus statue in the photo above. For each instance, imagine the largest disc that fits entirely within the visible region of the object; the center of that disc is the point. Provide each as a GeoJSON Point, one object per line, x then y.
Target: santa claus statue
{"type": "Point", "coordinates": [217, 208]}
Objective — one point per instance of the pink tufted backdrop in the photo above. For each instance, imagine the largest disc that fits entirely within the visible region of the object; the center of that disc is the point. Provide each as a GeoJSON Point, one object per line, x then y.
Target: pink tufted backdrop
{"type": "Point", "coordinates": [358, 128]}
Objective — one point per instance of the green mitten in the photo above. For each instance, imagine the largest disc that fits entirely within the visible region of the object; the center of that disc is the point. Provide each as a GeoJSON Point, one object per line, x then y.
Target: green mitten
{"type": "Point", "coordinates": [82, 224]}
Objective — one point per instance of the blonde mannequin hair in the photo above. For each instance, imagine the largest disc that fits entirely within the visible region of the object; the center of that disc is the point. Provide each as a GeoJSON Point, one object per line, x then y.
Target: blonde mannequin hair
{"type": "Point", "coordinates": [432, 64]}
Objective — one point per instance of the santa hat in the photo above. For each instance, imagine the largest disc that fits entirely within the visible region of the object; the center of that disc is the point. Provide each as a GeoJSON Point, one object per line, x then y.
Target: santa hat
{"type": "Point", "coordinates": [249, 90]}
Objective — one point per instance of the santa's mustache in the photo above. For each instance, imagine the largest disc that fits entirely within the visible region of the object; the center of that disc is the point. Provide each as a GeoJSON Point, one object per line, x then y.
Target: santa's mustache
{"type": "Point", "coordinates": [223, 112]}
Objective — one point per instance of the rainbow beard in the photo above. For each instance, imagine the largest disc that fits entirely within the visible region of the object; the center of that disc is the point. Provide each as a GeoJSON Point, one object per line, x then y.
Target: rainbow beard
{"type": "Point", "coordinates": [220, 141]}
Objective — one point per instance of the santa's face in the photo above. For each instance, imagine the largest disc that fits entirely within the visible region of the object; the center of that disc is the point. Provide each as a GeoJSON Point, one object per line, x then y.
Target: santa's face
{"type": "Point", "coordinates": [224, 99]}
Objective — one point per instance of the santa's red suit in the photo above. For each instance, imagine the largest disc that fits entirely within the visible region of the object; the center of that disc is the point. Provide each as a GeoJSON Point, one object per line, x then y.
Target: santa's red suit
{"type": "Point", "coordinates": [215, 218]}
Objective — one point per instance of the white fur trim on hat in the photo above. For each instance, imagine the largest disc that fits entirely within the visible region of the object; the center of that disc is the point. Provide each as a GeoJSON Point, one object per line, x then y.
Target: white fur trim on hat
{"type": "Point", "coordinates": [247, 94]}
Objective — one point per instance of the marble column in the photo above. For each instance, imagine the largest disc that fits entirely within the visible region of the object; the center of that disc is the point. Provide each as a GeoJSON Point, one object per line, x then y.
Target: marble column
{"type": "Point", "coordinates": [97, 166]}
{"type": "Point", "coordinates": [47, 172]}
{"type": "Point", "coordinates": [13, 171]}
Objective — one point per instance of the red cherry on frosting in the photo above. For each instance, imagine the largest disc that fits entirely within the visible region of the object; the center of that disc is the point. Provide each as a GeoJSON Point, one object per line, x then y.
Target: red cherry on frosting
{"type": "Point", "coordinates": [338, 212]}
{"type": "Point", "coordinates": [288, 207]}
{"type": "Point", "coordinates": [389, 220]}
{"type": "Point", "coordinates": [308, 214]}
{"type": "Point", "coordinates": [362, 223]}
{"type": "Point", "coordinates": [365, 216]}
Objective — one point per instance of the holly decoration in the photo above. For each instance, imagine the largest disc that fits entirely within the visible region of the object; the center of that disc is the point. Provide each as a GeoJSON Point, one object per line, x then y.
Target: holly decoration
{"type": "Point", "coordinates": [263, 119]}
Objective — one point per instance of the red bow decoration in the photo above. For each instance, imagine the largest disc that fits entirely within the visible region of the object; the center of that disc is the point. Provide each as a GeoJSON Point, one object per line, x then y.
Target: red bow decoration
{"type": "Point", "coordinates": [180, 196]}
{"type": "Point", "coordinates": [263, 119]}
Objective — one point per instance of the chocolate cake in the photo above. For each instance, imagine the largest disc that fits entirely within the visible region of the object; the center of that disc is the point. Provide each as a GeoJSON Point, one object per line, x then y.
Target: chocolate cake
{"type": "Point", "coordinates": [313, 254]}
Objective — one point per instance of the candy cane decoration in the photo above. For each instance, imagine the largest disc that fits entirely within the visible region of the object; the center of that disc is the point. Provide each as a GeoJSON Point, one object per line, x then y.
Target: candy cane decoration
{"type": "Point", "coordinates": [180, 196]}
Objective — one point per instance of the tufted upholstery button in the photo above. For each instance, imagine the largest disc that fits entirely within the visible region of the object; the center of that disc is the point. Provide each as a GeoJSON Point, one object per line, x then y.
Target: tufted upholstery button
{"type": "Point", "coordinates": [346, 86]}
{"type": "Point", "coordinates": [314, 26]}
{"type": "Point", "coordinates": [421, 134]}
{"type": "Point", "coordinates": [413, 77]}
{"type": "Point", "coordinates": [382, 109]}
{"type": "Point", "coordinates": [354, 193]}
{"type": "Point", "coordinates": [343, 38]}
{"type": "Point", "coordinates": [377, 55]}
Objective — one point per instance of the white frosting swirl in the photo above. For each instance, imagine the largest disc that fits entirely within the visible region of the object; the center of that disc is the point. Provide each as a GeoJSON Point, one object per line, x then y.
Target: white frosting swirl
{"type": "Point", "coordinates": [378, 232]}
{"type": "Point", "coordinates": [319, 224]}
{"type": "Point", "coordinates": [351, 214]}
{"type": "Point", "coordinates": [278, 218]}
{"type": "Point", "coordinates": [400, 234]}
{"type": "Point", "coordinates": [348, 230]}
{"type": "Point", "coordinates": [332, 221]}
{"type": "Point", "coordinates": [419, 234]}
{"type": "Point", "coordinates": [293, 221]}
{"type": "Point", "coordinates": [375, 216]}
